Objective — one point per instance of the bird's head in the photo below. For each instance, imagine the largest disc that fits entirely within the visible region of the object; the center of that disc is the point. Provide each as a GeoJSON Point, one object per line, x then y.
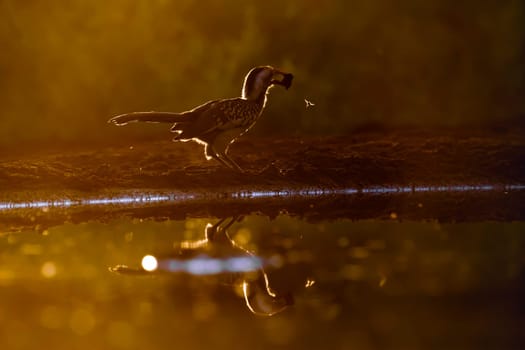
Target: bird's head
{"type": "Point", "coordinates": [259, 79]}
{"type": "Point", "coordinates": [262, 301]}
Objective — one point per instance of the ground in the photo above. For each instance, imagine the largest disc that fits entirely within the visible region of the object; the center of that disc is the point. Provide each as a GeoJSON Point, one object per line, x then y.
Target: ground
{"type": "Point", "coordinates": [361, 160]}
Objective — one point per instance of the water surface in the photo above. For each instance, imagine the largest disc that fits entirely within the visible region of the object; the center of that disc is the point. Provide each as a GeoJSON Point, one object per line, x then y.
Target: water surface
{"type": "Point", "coordinates": [319, 273]}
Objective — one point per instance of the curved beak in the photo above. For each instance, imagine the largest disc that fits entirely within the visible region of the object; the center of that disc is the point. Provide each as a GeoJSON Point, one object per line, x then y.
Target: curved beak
{"type": "Point", "coordinates": [282, 78]}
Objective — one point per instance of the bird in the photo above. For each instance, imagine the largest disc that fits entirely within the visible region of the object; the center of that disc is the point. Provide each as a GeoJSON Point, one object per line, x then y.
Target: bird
{"type": "Point", "coordinates": [218, 123]}
{"type": "Point", "coordinates": [309, 103]}
{"type": "Point", "coordinates": [215, 255]}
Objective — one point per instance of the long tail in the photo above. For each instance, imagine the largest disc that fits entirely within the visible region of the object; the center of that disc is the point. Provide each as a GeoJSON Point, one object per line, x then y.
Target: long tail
{"type": "Point", "coordinates": [152, 117]}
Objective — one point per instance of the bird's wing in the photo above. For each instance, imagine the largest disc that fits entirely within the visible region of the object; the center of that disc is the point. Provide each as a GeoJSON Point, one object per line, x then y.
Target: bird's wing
{"type": "Point", "coordinates": [219, 115]}
{"type": "Point", "coordinates": [224, 115]}
{"type": "Point", "coordinates": [195, 113]}
{"type": "Point", "coordinates": [202, 108]}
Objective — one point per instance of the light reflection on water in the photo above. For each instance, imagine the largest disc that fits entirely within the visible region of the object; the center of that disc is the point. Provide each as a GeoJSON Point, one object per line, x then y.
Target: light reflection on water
{"type": "Point", "coordinates": [148, 199]}
{"type": "Point", "coordinates": [341, 284]}
{"type": "Point", "coordinates": [219, 254]}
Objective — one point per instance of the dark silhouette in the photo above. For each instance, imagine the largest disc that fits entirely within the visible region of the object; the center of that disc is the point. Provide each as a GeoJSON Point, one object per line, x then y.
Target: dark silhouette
{"type": "Point", "coordinates": [218, 123]}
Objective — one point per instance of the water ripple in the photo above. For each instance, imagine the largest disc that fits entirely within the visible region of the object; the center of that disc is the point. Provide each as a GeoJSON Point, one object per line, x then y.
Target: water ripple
{"type": "Point", "coordinates": [145, 199]}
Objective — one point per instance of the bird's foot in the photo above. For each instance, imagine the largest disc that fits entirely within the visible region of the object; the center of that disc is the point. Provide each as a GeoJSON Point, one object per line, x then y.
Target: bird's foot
{"type": "Point", "coordinates": [268, 170]}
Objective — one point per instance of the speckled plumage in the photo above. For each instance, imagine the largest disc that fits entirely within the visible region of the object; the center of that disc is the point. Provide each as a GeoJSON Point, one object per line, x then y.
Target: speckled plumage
{"type": "Point", "coordinates": [218, 123]}
{"type": "Point", "coordinates": [219, 115]}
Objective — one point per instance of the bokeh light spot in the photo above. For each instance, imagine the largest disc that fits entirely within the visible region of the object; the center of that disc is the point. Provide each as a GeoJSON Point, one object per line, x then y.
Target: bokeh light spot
{"type": "Point", "coordinates": [51, 317]}
{"type": "Point", "coordinates": [243, 236]}
{"type": "Point", "coordinates": [120, 334]}
{"type": "Point", "coordinates": [49, 269]}
{"type": "Point", "coordinates": [82, 321]}
{"type": "Point", "coordinates": [149, 263]}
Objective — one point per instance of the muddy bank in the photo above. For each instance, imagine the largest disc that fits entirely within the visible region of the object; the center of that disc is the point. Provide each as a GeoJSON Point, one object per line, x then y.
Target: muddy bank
{"type": "Point", "coordinates": [363, 159]}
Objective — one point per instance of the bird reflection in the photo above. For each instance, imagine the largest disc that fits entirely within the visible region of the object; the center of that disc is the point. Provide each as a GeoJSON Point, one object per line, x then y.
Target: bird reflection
{"type": "Point", "coordinates": [218, 254]}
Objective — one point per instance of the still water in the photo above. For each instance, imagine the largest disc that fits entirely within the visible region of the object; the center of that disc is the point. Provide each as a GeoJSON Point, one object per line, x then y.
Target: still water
{"type": "Point", "coordinates": [324, 274]}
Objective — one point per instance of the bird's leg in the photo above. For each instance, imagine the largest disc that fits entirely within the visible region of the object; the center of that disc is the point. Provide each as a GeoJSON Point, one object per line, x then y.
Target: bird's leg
{"type": "Point", "coordinates": [233, 220]}
{"type": "Point", "coordinates": [232, 163]}
{"type": "Point", "coordinates": [236, 166]}
{"type": "Point", "coordinates": [211, 231]}
{"type": "Point", "coordinates": [210, 153]}
{"type": "Point", "coordinates": [229, 160]}
{"type": "Point", "coordinates": [222, 158]}
{"type": "Point", "coordinates": [225, 163]}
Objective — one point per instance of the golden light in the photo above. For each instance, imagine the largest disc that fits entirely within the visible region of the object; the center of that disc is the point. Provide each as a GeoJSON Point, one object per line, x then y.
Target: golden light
{"type": "Point", "coordinates": [149, 263]}
{"type": "Point", "coordinates": [82, 321]}
{"type": "Point", "coordinates": [243, 236]}
{"type": "Point", "coordinates": [195, 244]}
{"type": "Point", "coordinates": [49, 269]}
